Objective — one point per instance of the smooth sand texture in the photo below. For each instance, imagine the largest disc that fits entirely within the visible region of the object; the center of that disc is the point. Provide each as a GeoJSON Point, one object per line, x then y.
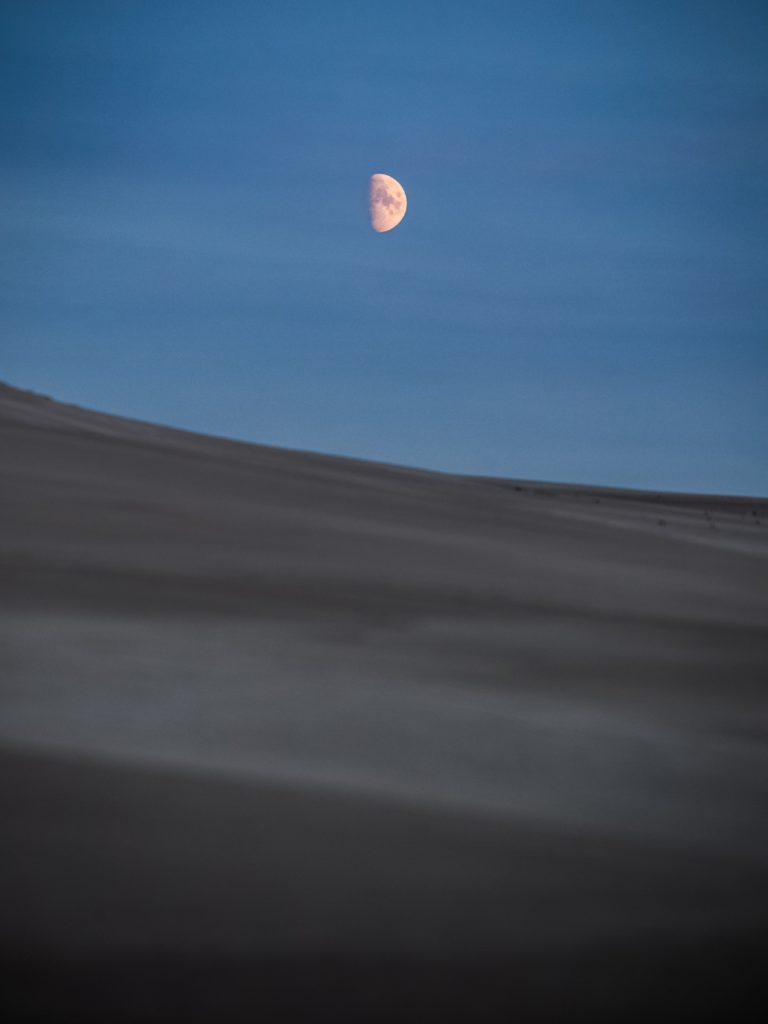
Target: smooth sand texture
{"type": "Point", "coordinates": [293, 737]}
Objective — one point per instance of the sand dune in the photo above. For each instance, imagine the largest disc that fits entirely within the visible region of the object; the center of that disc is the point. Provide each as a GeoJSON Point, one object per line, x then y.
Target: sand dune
{"type": "Point", "coordinates": [294, 737]}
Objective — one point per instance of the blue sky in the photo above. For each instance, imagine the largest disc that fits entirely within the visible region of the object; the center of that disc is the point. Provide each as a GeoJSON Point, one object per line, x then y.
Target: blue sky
{"type": "Point", "coordinates": [578, 292]}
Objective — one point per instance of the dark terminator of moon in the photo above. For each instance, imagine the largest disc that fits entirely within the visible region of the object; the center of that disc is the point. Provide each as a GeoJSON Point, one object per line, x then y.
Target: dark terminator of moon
{"type": "Point", "coordinates": [386, 202]}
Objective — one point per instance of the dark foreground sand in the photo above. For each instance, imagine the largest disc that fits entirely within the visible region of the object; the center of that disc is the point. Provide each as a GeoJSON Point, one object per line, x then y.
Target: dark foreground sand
{"type": "Point", "coordinates": [289, 737]}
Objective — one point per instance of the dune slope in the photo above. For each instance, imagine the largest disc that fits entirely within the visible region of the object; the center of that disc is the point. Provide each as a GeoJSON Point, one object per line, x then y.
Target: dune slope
{"type": "Point", "coordinates": [315, 738]}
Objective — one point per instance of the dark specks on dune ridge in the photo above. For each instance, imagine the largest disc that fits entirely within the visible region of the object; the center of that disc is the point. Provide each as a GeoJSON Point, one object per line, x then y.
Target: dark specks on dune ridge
{"type": "Point", "coordinates": [294, 737]}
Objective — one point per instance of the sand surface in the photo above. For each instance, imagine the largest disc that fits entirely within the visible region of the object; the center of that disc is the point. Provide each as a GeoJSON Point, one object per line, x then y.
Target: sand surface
{"type": "Point", "coordinates": [293, 737]}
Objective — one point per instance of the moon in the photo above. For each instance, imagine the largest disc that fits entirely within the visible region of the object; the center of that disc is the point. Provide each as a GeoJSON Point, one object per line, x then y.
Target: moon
{"type": "Point", "coordinates": [386, 202]}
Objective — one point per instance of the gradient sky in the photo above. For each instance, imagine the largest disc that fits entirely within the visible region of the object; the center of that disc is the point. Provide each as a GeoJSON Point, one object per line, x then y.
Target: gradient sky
{"type": "Point", "coordinates": [578, 292]}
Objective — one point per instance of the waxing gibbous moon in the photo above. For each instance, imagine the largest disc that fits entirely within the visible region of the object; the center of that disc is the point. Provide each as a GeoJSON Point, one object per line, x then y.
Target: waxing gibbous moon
{"type": "Point", "coordinates": [386, 202]}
